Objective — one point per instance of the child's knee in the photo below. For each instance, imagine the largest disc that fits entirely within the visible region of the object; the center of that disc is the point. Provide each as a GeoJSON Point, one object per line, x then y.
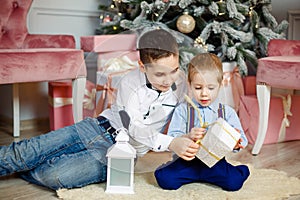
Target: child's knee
{"type": "Point", "coordinates": [165, 180]}
{"type": "Point", "coordinates": [236, 183]}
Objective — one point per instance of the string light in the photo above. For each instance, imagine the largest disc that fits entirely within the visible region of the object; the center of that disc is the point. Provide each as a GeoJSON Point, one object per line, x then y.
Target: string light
{"type": "Point", "coordinates": [251, 11]}
{"type": "Point", "coordinates": [221, 7]}
{"type": "Point", "coordinates": [198, 42]}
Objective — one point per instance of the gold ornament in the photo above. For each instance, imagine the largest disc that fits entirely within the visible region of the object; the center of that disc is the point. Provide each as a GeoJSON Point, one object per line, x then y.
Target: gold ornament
{"type": "Point", "coordinates": [185, 23]}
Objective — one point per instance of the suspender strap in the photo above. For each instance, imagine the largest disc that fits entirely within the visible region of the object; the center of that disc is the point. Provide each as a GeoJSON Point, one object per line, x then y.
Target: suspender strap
{"type": "Point", "coordinates": [191, 115]}
{"type": "Point", "coordinates": [221, 111]}
{"type": "Point", "coordinates": [191, 118]}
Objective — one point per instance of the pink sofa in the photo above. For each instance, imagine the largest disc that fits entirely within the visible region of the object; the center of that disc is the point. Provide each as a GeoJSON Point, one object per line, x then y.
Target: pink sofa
{"type": "Point", "coordinates": [26, 57]}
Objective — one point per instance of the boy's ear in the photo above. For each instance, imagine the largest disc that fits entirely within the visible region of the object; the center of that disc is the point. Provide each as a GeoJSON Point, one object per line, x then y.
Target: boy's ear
{"type": "Point", "coordinates": [142, 66]}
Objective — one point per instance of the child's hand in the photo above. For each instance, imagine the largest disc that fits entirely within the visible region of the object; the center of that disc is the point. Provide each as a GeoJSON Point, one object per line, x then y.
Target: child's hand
{"type": "Point", "coordinates": [184, 147]}
{"type": "Point", "coordinates": [238, 144]}
{"type": "Point", "coordinates": [196, 133]}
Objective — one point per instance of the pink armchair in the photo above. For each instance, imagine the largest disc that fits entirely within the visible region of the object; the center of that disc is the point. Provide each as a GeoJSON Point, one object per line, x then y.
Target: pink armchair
{"type": "Point", "coordinates": [281, 69]}
{"type": "Point", "coordinates": [28, 57]}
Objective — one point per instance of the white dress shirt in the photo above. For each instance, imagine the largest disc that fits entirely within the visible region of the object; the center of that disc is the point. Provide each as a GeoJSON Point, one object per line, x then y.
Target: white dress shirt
{"type": "Point", "coordinates": [149, 110]}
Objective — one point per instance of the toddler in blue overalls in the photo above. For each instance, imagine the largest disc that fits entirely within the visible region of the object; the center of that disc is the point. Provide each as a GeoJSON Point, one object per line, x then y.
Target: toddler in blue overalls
{"type": "Point", "coordinates": [205, 78]}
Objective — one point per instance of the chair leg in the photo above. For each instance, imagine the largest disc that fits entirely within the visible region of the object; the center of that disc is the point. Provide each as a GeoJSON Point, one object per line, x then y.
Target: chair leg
{"type": "Point", "coordinates": [263, 96]}
{"type": "Point", "coordinates": [78, 86]}
{"type": "Point", "coordinates": [16, 110]}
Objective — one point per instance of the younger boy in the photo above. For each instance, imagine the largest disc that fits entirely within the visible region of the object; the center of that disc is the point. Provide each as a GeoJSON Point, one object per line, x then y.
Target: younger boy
{"type": "Point", "coordinates": [205, 78]}
{"type": "Point", "coordinates": [75, 156]}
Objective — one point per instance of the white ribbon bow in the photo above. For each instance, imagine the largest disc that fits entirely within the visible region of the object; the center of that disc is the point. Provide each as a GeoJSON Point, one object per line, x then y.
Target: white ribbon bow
{"type": "Point", "coordinates": [57, 102]}
{"type": "Point", "coordinates": [118, 64]}
{"type": "Point", "coordinates": [89, 99]}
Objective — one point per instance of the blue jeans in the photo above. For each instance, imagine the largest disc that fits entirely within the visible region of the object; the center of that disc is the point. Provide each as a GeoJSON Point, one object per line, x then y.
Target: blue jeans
{"type": "Point", "coordinates": [70, 157]}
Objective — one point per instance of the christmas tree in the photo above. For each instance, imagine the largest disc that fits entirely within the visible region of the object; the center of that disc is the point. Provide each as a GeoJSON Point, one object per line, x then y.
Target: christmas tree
{"type": "Point", "coordinates": [235, 30]}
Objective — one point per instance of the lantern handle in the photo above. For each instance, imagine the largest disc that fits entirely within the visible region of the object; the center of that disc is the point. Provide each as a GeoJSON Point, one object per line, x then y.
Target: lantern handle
{"type": "Point", "coordinates": [124, 118]}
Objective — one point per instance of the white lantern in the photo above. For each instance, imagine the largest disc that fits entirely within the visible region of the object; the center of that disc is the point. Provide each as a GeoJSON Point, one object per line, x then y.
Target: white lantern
{"type": "Point", "coordinates": [120, 167]}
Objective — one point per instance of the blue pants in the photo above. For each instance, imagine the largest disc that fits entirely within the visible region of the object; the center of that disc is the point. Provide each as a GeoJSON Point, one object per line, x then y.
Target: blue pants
{"type": "Point", "coordinates": [70, 157]}
{"type": "Point", "coordinates": [176, 173]}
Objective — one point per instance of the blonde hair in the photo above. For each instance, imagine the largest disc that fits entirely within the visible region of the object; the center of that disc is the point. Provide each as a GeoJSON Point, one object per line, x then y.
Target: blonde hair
{"type": "Point", "coordinates": [205, 62]}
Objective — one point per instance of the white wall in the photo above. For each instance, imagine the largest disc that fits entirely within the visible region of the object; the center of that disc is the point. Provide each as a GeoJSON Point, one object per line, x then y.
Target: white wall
{"type": "Point", "coordinates": [74, 17]}
{"type": "Point", "coordinates": [281, 8]}
{"type": "Point", "coordinates": [78, 18]}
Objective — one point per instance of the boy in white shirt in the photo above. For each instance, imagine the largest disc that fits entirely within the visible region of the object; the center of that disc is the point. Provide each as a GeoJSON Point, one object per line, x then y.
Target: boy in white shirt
{"type": "Point", "coordinates": [75, 156]}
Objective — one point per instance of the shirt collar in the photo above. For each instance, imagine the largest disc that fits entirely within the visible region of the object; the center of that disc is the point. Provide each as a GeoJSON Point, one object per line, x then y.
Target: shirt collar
{"type": "Point", "coordinates": [214, 106]}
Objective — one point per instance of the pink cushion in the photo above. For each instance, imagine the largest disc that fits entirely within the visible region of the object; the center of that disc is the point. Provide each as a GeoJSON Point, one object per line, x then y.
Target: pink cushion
{"type": "Point", "coordinates": [280, 47]}
{"type": "Point", "coordinates": [49, 64]}
{"type": "Point", "coordinates": [279, 71]}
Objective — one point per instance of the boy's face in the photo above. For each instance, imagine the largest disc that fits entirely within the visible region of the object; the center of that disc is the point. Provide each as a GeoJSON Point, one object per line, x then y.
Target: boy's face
{"type": "Point", "coordinates": [205, 87]}
{"type": "Point", "coordinates": [162, 73]}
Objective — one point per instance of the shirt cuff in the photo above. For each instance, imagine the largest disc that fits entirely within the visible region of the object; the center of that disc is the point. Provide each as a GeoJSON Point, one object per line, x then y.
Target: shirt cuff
{"type": "Point", "coordinates": [163, 143]}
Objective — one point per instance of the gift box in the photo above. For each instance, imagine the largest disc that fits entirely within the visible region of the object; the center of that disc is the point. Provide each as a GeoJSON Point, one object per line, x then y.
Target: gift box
{"type": "Point", "coordinates": [284, 117]}
{"type": "Point", "coordinates": [111, 46]}
{"type": "Point", "coordinates": [232, 86]}
{"type": "Point", "coordinates": [60, 103]}
{"type": "Point", "coordinates": [106, 87]}
{"type": "Point", "coordinates": [108, 43]}
{"type": "Point", "coordinates": [219, 140]}
{"type": "Point", "coordinates": [249, 83]}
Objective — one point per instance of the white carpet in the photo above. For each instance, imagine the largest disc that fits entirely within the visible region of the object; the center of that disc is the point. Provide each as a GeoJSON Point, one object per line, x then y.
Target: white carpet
{"type": "Point", "coordinates": [262, 184]}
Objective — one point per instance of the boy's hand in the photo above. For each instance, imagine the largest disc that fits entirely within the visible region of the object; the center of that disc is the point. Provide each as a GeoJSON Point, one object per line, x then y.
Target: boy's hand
{"type": "Point", "coordinates": [196, 133]}
{"type": "Point", "coordinates": [184, 147]}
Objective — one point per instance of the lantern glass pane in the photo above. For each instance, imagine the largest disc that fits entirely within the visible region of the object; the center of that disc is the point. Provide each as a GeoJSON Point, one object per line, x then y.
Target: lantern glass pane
{"type": "Point", "coordinates": [120, 170]}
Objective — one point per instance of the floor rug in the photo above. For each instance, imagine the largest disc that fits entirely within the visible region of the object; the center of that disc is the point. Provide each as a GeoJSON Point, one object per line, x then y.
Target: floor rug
{"type": "Point", "coordinates": [262, 184]}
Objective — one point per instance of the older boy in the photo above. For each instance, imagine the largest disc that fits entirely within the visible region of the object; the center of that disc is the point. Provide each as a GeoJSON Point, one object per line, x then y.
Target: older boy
{"type": "Point", "coordinates": [75, 156]}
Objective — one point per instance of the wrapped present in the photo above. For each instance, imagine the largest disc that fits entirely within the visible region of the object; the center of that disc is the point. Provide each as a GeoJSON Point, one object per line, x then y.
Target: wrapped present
{"type": "Point", "coordinates": [108, 43]}
{"type": "Point", "coordinates": [284, 116]}
{"type": "Point", "coordinates": [232, 86]}
{"type": "Point", "coordinates": [60, 103]}
{"type": "Point", "coordinates": [249, 83]}
{"type": "Point", "coordinates": [110, 46]}
{"type": "Point", "coordinates": [107, 81]}
{"type": "Point", "coordinates": [219, 140]}
{"type": "Point", "coordinates": [89, 100]}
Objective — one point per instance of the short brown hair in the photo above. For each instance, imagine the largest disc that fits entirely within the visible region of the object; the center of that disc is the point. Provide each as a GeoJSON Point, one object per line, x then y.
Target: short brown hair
{"type": "Point", "coordinates": [205, 62]}
{"type": "Point", "coordinates": [156, 44]}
